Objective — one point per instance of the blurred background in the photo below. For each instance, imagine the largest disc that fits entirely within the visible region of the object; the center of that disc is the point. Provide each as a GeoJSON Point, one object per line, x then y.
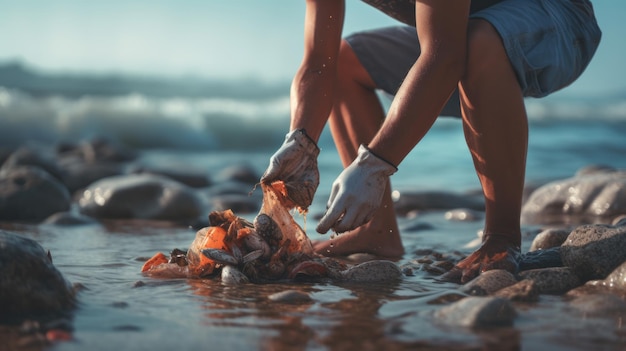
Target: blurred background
{"type": "Point", "coordinates": [198, 75]}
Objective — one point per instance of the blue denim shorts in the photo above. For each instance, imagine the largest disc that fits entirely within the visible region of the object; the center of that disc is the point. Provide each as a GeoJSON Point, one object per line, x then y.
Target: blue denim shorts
{"type": "Point", "coordinates": [549, 44]}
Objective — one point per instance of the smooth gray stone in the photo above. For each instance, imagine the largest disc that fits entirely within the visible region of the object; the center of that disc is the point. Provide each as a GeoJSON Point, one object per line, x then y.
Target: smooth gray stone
{"type": "Point", "coordinates": [140, 196]}
{"type": "Point", "coordinates": [29, 193]}
{"type": "Point", "coordinates": [373, 271]}
{"type": "Point", "coordinates": [595, 194]}
{"type": "Point", "coordinates": [489, 282]}
{"type": "Point", "coordinates": [30, 285]}
{"type": "Point", "coordinates": [475, 311]}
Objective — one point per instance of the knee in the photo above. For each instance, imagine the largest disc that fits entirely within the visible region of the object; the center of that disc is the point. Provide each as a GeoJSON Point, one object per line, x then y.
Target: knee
{"type": "Point", "coordinates": [486, 56]}
{"type": "Point", "coordinates": [349, 67]}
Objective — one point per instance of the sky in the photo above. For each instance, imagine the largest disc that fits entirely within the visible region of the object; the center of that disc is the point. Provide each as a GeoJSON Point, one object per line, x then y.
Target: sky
{"type": "Point", "coordinates": [225, 39]}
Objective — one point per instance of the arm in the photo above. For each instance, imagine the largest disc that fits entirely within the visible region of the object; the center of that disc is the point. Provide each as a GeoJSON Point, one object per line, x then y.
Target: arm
{"type": "Point", "coordinates": [441, 27]}
{"type": "Point", "coordinates": [312, 88]}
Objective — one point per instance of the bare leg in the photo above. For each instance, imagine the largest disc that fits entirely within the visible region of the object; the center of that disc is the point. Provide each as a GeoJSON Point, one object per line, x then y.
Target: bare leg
{"type": "Point", "coordinates": [355, 118]}
{"type": "Point", "coordinates": [496, 131]}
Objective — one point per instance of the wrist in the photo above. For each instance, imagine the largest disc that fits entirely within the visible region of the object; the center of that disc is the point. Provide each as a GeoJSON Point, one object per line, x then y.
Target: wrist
{"type": "Point", "coordinates": [369, 159]}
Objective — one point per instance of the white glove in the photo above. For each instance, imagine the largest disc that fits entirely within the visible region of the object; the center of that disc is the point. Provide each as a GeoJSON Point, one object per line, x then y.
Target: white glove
{"type": "Point", "coordinates": [295, 163]}
{"type": "Point", "coordinates": [356, 193]}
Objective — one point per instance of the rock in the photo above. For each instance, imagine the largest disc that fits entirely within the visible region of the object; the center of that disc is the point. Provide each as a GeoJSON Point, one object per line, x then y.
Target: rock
{"type": "Point", "coordinates": [600, 305]}
{"type": "Point", "coordinates": [594, 251]}
{"type": "Point", "coordinates": [291, 296]}
{"type": "Point", "coordinates": [373, 271]}
{"type": "Point", "coordinates": [522, 291]}
{"type": "Point", "coordinates": [232, 276]}
{"type": "Point", "coordinates": [31, 194]}
{"type": "Point", "coordinates": [33, 157]}
{"type": "Point", "coordinates": [541, 259]}
{"type": "Point", "coordinates": [477, 311]}
{"type": "Point", "coordinates": [552, 237]}
{"type": "Point", "coordinates": [97, 150]}
{"type": "Point", "coordinates": [556, 280]}
{"type": "Point", "coordinates": [489, 282]}
{"type": "Point", "coordinates": [191, 178]}
{"type": "Point", "coordinates": [595, 194]}
{"type": "Point", "coordinates": [140, 197]}
{"type": "Point", "coordinates": [68, 218]}
{"type": "Point", "coordinates": [407, 202]}
{"type": "Point", "coordinates": [619, 221]}
{"type": "Point", "coordinates": [30, 285]}
{"type": "Point", "coordinates": [78, 174]}
{"type": "Point", "coordinates": [463, 215]}
{"type": "Point", "coordinates": [615, 280]}
{"type": "Point", "coordinates": [238, 203]}
{"type": "Point", "coordinates": [244, 173]}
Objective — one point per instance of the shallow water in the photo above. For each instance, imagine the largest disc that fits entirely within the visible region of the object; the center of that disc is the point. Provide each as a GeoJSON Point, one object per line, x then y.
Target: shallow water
{"type": "Point", "coordinates": [122, 309]}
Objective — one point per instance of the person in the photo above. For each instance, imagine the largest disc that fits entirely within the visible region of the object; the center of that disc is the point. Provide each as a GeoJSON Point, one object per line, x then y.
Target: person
{"type": "Point", "coordinates": [476, 59]}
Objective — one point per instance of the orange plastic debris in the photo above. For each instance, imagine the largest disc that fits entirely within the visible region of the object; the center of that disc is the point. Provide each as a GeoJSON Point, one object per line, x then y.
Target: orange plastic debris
{"type": "Point", "coordinates": [156, 260]}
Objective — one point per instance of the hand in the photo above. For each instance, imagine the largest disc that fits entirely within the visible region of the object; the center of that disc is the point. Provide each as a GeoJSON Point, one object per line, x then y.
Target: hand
{"type": "Point", "coordinates": [295, 163]}
{"type": "Point", "coordinates": [356, 193]}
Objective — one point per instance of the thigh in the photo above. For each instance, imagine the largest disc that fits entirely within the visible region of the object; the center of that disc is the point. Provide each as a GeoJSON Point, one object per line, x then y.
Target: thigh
{"type": "Point", "coordinates": [548, 42]}
{"type": "Point", "coordinates": [388, 54]}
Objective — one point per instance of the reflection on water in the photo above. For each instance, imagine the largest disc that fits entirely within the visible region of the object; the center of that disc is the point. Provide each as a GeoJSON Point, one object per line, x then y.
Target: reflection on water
{"type": "Point", "coordinates": [121, 309]}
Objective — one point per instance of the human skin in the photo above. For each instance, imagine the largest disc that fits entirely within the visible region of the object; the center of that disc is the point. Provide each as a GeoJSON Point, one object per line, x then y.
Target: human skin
{"type": "Point", "coordinates": [455, 52]}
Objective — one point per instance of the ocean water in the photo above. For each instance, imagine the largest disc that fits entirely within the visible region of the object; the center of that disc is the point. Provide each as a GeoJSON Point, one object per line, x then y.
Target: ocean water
{"type": "Point", "coordinates": [245, 122]}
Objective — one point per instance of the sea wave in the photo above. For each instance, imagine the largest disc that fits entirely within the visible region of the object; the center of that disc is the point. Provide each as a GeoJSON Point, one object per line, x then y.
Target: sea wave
{"type": "Point", "coordinates": [199, 123]}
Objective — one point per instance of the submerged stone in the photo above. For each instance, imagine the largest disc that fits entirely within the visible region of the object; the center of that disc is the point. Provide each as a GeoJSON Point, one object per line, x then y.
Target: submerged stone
{"type": "Point", "coordinates": [489, 282]}
{"type": "Point", "coordinates": [477, 311]}
{"type": "Point", "coordinates": [373, 271]}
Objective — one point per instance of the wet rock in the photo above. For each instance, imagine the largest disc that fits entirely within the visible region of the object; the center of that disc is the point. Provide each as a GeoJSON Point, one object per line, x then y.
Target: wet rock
{"type": "Point", "coordinates": [244, 173]}
{"type": "Point", "coordinates": [31, 194]}
{"type": "Point", "coordinates": [68, 219]}
{"type": "Point", "coordinates": [541, 259]}
{"type": "Point", "coordinates": [30, 285]}
{"type": "Point", "coordinates": [489, 282]}
{"type": "Point", "coordinates": [619, 221]}
{"type": "Point", "coordinates": [33, 157]}
{"type": "Point", "coordinates": [522, 291]}
{"type": "Point", "coordinates": [97, 149]}
{"type": "Point", "coordinates": [191, 178]}
{"type": "Point", "coordinates": [477, 311]}
{"type": "Point", "coordinates": [78, 174]}
{"type": "Point", "coordinates": [291, 296]}
{"type": "Point", "coordinates": [140, 197]}
{"type": "Point", "coordinates": [373, 271]}
{"type": "Point", "coordinates": [238, 203]}
{"type": "Point", "coordinates": [552, 237]}
{"type": "Point", "coordinates": [233, 276]}
{"type": "Point", "coordinates": [600, 305]}
{"type": "Point", "coordinates": [463, 215]}
{"type": "Point", "coordinates": [615, 280]}
{"type": "Point", "coordinates": [596, 194]}
{"type": "Point", "coordinates": [557, 280]}
{"type": "Point", "coordinates": [594, 251]}
{"type": "Point", "coordinates": [407, 201]}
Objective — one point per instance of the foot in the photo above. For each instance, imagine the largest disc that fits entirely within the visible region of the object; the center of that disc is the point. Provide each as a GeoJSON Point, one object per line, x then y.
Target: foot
{"type": "Point", "coordinates": [496, 252]}
{"type": "Point", "coordinates": [362, 240]}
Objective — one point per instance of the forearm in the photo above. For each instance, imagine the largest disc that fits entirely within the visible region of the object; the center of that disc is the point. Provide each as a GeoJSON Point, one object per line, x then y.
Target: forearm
{"type": "Point", "coordinates": [312, 91]}
{"type": "Point", "coordinates": [442, 32]}
{"type": "Point", "coordinates": [416, 106]}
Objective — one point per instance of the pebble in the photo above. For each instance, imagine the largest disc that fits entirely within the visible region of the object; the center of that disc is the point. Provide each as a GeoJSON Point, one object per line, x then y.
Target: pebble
{"type": "Point", "coordinates": [489, 282]}
{"type": "Point", "coordinates": [290, 296]}
{"type": "Point", "coordinates": [477, 311]}
{"type": "Point", "coordinates": [373, 271]}
{"type": "Point", "coordinates": [549, 238]}
{"type": "Point", "coordinates": [555, 280]}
